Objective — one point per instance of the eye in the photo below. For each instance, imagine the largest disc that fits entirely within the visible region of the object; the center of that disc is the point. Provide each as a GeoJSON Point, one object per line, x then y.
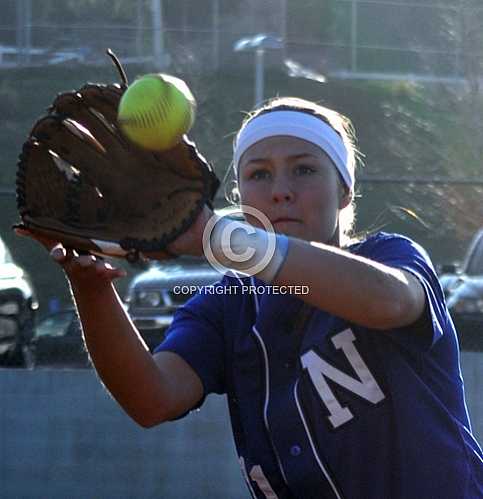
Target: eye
{"type": "Point", "coordinates": [259, 174]}
{"type": "Point", "coordinates": [304, 170]}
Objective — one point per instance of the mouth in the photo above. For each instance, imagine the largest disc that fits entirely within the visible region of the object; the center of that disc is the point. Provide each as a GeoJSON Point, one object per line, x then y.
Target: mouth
{"type": "Point", "coordinates": [285, 220]}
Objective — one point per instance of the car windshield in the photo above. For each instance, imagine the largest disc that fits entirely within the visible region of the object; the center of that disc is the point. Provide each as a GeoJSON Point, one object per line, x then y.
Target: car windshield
{"type": "Point", "coordinates": [54, 325]}
{"type": "Point", "coordinates": [5, 255]}
{"type": "Point", "coordinates": [475, 265]}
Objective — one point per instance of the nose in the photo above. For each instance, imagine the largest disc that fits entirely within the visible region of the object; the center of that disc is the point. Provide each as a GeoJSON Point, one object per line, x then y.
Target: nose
{"type": "Point", "coordinates": [282, 190]}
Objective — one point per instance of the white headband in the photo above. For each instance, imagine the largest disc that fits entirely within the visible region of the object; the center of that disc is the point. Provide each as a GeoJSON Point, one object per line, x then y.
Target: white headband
{"type": "Point", "coordinates": [301, 125]}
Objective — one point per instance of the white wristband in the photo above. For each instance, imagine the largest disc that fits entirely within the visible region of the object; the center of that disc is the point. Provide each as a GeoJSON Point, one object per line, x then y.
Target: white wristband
{"type": "Point", "coordinates": [247, 249]}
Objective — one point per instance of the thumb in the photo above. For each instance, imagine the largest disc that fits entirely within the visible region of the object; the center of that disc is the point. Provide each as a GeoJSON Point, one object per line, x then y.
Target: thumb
{"type": "Point", "coordinates": [22, 231]}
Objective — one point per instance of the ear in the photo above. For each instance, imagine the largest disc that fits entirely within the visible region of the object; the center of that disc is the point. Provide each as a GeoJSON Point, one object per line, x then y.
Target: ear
{"type": "Point", "coordinates": [345, 199]}
{"type": "Point", "coordinates": [234, 195]}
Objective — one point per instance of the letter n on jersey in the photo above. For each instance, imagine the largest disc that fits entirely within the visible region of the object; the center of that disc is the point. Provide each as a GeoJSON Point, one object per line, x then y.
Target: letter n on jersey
{"type": "Point", "coordinates": [366, 386]}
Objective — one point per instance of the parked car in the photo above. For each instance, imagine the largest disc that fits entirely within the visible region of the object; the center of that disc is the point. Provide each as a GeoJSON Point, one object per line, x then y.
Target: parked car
{"type": "Point", "coordinates": [18, 307]}
{"type": "Point", "coordinates": [154, 295]}
{"type": "Point", "coordinates": [57, 341]}
{"type": "Point", "coordinates": [152, 298]}
{"type": "Point", "coordinates": [463, 287]}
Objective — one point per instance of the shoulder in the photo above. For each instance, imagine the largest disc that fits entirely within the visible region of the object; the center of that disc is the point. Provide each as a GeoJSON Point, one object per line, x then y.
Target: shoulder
{"type": "Point", "coordinates": [379, 239]}
{"type": "Point", "coordinates": [399, 251]}
{"type": "Point", "coordinates": [390, 248]}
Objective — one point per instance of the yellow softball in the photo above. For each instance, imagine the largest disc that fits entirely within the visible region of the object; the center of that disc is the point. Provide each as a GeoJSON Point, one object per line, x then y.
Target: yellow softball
{"type": "Point", "coordinates": [156, 110]}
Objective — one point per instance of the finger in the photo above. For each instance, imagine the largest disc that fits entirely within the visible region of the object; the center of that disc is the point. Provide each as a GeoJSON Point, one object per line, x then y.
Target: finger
{"type": "Point", "coordinates": [86, 260]}
{"type": "Point", "coordinates": [59, 253]}
{"type": "Point", "coordinates": [23, 231]}
{"type": "Point", "coordinates": [105, 268]}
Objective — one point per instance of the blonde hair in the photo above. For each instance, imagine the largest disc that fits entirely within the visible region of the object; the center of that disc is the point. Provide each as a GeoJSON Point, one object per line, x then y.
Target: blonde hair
{"type": "Point", "coordinates": [339, 123]}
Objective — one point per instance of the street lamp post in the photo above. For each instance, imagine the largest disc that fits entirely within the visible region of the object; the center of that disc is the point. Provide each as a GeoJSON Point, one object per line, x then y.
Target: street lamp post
{"type": "Point", "coordinates": [160, 58]}
{"type": "Point", "coordinates": [259, 75]}
{"type": "Point", "coordinates": [259, 44]}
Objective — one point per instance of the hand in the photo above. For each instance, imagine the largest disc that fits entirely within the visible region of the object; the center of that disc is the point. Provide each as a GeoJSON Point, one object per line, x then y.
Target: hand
{"type": "Point", "coordinates": [80, 268]}
{"type": "Point", "coordinates": [188, 243]}
{"type": "Point", "coordinates": [191, 241]}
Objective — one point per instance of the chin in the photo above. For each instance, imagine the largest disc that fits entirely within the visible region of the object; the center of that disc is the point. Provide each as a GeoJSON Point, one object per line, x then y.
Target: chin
{"type": "Point", "coordinates": [291, 229]}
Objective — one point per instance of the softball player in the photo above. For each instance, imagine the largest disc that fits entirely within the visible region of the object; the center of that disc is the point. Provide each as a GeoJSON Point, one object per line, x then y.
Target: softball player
{"type": "Point", "coordinates": [349, 388]}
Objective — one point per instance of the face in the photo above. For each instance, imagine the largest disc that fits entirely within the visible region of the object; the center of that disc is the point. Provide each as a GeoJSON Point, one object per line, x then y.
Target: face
{"type": "Point", "coordinates": [294, 183]}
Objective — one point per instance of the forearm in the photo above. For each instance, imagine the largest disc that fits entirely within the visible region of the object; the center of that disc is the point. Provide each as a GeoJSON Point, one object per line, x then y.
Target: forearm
{"type": "Point", "coordinates": [118, 352]}
{"type": "Point", "coordinates": [151, 390]}
{"type": "Point", "coordinates": [355, 288]}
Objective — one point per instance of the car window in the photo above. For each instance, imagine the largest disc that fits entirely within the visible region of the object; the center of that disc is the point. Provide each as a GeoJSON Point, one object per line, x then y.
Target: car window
{"type": "Point", "coordinates": [54, 325]}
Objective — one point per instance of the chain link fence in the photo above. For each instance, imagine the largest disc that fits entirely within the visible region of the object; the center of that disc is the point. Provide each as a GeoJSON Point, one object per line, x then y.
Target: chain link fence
{"type": "Point", "coordinates": [436, 40]}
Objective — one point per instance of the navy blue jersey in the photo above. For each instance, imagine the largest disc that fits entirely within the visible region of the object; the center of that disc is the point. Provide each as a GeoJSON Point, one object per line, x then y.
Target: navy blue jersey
{"type": "Point", "coordinates": [323, 408]}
